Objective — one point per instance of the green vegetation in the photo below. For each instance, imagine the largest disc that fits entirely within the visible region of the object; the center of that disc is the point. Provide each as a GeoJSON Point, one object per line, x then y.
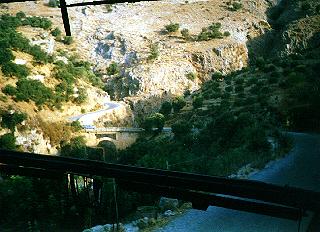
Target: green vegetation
{"type": "Point", "coordinates": [212, 32]}
{"type": "Point", "coordinates": [154, 51]}
{"type": "Point", "coordinates": [68, 40]}
{"type": "Point", "coordinates": [172, 27]}
{"type": "Point", "coordinates": [181, 129]}
{"type": "Point", "coordinates": [166, 108]}
{"type": "Point", "coordinates": [11, 39]}
{"type": "Point", "coordinates": [197, 102]}
{"type": "Point", "coordinates": [234, 6]}
{"type": "Point", "coordinates": [113, 69]}
{"type": "Point", "coordinates": [32, 90]}
{"type": "Point", "coordinates": [178, 103]}
{"type": "Point", "coordinates": [54, 3]}
{"type": "Point", "coordinates": [11, 69]}
{"type": "Point", "coordinates": [226, 33]}
{"type": "Point", "coordinates": [76, 126]}
{"type": "Point", "coordinates": [11, 120]}
{"type": "Point", "coordinates": [56, 32]}
{"type": "Point", "coordinates": [8, 142]}
{"type": "Point", "coordinates": [108, 7]}
{"type": "Point", "coordinates": [191, 76]}
{"type": "Point", "coordinates": [154, 121]}
{"type": "Point", "coordinates": [186, 34]}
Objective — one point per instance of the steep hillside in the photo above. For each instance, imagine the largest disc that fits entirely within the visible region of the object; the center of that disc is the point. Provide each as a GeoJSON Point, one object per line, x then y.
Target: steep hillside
{"type": "Point", "coordinates": [147, 63]}
{"type": "Point", "coordinates": [42, 78]}
{"type": "Point", "coordinates": [236, 119]}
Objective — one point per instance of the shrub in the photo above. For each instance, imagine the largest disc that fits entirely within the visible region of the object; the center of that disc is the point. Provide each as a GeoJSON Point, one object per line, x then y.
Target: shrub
{"type": "Point", "coordinates": [172, 27]}
{"type": "Point", "coordinates": [226, 33]}
{"type": "Point", "coordinates": [154, 51]}
{"type": "Point", "coordinates": [40, 56]}
{"type": "Point", "coordinates": [33, 90]}
{"type": "Point", "coordinates": [12, 69]}
{"type": "Point", "coordinates": [181, 128]}
{"type": "Point", "coordinates": [229, 89]}
{"type": "Point", "coordinates": [216, 76]}
{"type": "Point", "coordinates": [185, 34]}
{"type": "Point", "coordinates": [166, 108]}
{"type": "Point", "coordinates": [191, 76]}
{"type": "Point", "coordinates": [20, 15]}
{"type": "Point", "coordinates": [235, 6]}
{"type": "Point", "coordinates": [156, 120]}
{"type": "Point", "coordinates": [113, 69]}
{"type": "Point", "coordinates": [9, 90]}
{"type": "Point", "coordinates": [56, 32]}
{"type": "Point", "coordinates": [76, 125]}
{"type": "Point", "coordinates": [239, 88]}
{"type": "Point", "coordinates": [82, 96]}
{"type": "Point", "coordinates": [239, 81]}
{"type": "Point", "coordinates": [5, 55]}
{"type": "Point", "coordinates": [8, 141]}
{"type": "Point", "coordinates": [272, 80]}
{"type": "Point", "coordinates": [108, 7]}
{"type": "Point", "coordinates": [305, 6]}
{"type": "Point", "coordinates": [38, 22]}
{"type": "Point", "coordinates": [10, 121]}
{"type": "Point", "coordinates": [197, 102]}
{"type": "Point", "coordinates": [178, 103]}
{"type": "Point", "coordinates": [212, 32]}
{"type": "Point", "coordinates": [68, 40]}
{"type": "Point", "coordinates": [53, 3]}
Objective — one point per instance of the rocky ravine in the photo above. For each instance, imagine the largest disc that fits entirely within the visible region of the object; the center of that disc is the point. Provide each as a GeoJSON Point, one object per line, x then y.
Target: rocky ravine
{"type": "Point", "coordinates": [125, 35]}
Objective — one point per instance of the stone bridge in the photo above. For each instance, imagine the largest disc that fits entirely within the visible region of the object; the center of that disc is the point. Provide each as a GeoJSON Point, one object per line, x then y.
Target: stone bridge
{"type": "Point", "coordinates": [122, 137]}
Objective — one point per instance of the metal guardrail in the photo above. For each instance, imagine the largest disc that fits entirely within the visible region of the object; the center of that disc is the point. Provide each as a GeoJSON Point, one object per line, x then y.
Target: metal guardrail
{"type": "Point", "coordinates": [285, 202]}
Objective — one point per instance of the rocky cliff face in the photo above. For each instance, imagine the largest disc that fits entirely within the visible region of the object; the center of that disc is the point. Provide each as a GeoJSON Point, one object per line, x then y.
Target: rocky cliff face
{"type": "Point", "coordinates": [124, 33]}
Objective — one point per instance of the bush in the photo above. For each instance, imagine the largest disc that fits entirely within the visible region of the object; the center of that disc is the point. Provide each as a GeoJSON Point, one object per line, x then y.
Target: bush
{"type": "Point", "coordinates": [20, 15]}
{"type": "Point", "coordinates": [185, 34]}
{"type": "Point", "coordinates": [239, 88]}
{"type": "Point", "coordinates": [239, 81]}
{"type": "Point", "coordinates": [197, 102]}
{"type": "Point", "coordinates": [33, 90]}
{"type": "Point", "coordinates": [235, 6]}
{"type": "Point", "coordinates": [9, 90]}
{"type": "Point", "coordinates": [212, 32]}
{"type": "Point", "coordinates": [38, 22]}
{"type": "Point", "coordinates": [156, 120]}
{"type": "Point", "coordinates": [172, 27]}
{"type": "Point", "coordinates": [181, 128]}
{"type": "Point", "coordinates": [229, 89]}
{"type": "Point", "coordinates": [68, 40]}
{"type": "Point", "coordinates": [113, 69]}
{"type": "Point", "coordinates": [8, 141]}
{"type": "Point", "coordinates": [216, 76]}
{"type": "Point", "coordinates": [191, 76]}
{"type": "Point", "coordinates": [178, 103]}
{"type": "Point", "coordinates": [305, 6]}
{"type": "Point", "coordinates": [56, 32]}
{"type": "Point", "coordinates": [11, 69]}
{"type": "Point", "coordinates": [166, 108]}
{"type": "Point", "coordinates": [53, 3]}
{"type": "Point", "coordinates": [5, 55]}
{"type": "Point", "coordinates": [226, 33]}
{"type": "Point", "coordinates": [76, 126]}
{"type": "Point", "coordinates": [154, 51]}
{"type": "Point", "coordinates": [10, 121]}
{"type": "Point", "coordinates": [82, 96]}
{"type": "Point", "coordinates": [40, 56]}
